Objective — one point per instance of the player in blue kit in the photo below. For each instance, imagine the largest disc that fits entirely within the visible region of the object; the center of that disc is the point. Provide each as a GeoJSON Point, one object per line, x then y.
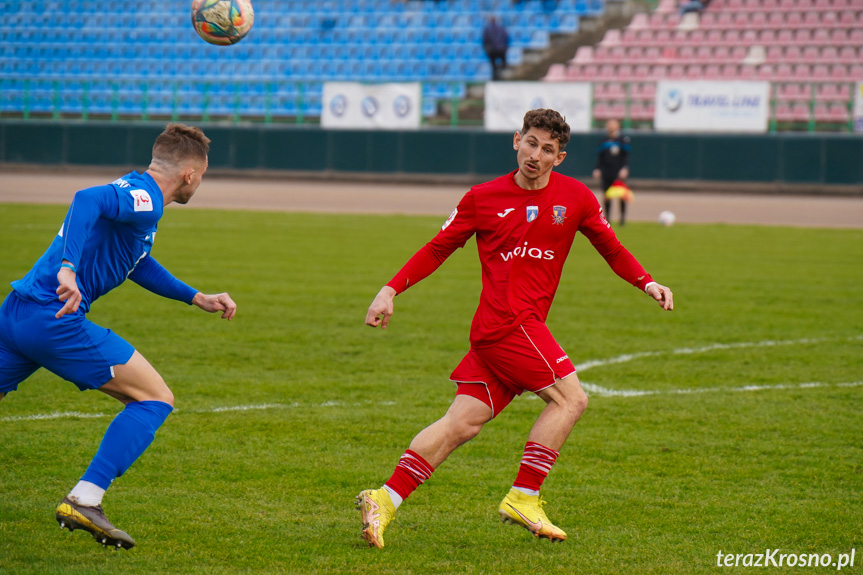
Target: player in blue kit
{"type": "Point", "coordinates": [106, 237]}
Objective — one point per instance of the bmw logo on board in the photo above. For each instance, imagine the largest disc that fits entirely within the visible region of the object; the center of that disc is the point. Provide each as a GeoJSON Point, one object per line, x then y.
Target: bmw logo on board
{"type": "Point", "coordinates": [402, 106]}
{"type": "Point", "coordinates": [369, 106]}
{"type": "Point", "coordinates": [338, 105]}
{"type": "Point", "coordinates": [673, 100]}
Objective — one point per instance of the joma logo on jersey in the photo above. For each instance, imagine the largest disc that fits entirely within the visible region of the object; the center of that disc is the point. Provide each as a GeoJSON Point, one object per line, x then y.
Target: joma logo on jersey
{"type": "Point", "coordinates": [525, 250]}
{"type": "Point", "coordinates": [121, 183]}
{"type": "Point", "coordinates": [143, 203]}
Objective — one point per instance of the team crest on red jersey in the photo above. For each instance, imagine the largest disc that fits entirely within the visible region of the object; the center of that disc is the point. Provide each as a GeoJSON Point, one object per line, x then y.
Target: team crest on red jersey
{"type": "Point", "coordinates": [532, 213]}
{"type": "Point", "coordinates": [559, 214]}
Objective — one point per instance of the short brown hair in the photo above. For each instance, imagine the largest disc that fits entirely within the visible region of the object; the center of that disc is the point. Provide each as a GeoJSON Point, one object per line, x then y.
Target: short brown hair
{"type": "Point", "coordinates": [547, 119]}
{"type": "Point", "coordinates": [179, 143]}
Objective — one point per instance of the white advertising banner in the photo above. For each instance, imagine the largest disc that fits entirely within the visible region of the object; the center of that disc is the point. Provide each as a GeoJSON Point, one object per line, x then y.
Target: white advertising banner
{"type": "Point", "coordinates": [698, 106]}
{"type": "Point", "coordinates": [507, 102]}
{"type": "Point", "coordinates": [351, 105]}
{"type": "Point", "coordinates": [858, 108]}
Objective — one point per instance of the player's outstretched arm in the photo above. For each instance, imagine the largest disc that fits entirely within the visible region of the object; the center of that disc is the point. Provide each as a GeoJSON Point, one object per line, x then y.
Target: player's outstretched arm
{"type": "Point", "coordinates": [381, 310]}
{"type": "Point", "coordinates": [661, 294]}
{"type": "Point", "coordinates": [216, 302]}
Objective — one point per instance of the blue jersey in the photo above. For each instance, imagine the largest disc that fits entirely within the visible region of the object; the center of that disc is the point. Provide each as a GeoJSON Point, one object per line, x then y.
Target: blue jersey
{"type": "Point", "coordinates": [107, 235]}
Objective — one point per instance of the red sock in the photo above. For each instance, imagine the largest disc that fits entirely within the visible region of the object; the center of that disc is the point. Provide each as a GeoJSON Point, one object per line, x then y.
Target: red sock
{"type": "Point", "coordinates": [535, 465]}
{"type": "Point", "coordinates": [411, 471]}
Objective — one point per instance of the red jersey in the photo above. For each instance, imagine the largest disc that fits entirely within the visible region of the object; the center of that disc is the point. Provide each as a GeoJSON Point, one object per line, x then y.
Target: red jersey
{"type": "Point", "coordinates": [523, 238]}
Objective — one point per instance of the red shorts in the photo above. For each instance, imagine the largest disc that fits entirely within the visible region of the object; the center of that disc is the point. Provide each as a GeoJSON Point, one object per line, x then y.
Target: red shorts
{"type": "Point", "coordinates": [526, 359]}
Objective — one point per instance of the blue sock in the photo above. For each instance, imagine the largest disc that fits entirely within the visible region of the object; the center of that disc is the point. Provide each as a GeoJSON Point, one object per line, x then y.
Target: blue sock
{"type": "Point", "coordinates": [131, 432]}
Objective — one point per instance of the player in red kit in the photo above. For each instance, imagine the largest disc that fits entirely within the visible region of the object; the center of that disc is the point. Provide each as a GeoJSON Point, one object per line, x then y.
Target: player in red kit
{"type": "Point", "coordinates": [525, 223]}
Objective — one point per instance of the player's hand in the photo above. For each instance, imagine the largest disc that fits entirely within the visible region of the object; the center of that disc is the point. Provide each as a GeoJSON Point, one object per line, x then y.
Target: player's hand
{"type": "Point", "coordinates": [597, 175]}
{"type": "Point", "coordinates": [623, 173]}
{"type": "Point", "coordinates": [68, 292]}
{"type": "Point", "coordinates": [662, 295]}
{"type": "Point", "coordinates": [381, 310]}
{"type": "Point", "coordinates": [216, 302]}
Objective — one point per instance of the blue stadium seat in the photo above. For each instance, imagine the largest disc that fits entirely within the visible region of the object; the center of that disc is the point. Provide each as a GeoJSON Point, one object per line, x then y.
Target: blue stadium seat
{"type": "Point", "coordinates": [435, 42]}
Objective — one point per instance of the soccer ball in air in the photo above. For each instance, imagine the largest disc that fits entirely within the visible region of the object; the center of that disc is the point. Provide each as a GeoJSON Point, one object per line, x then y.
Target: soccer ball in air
{"type": "Point", "coordinates": [667, 218]}
{"type": "Point", "coordinates": [222, 22]}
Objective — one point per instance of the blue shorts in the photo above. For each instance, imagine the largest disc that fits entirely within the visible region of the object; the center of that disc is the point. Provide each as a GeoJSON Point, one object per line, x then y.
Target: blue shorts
{"type": "Point", "coordinates": [72, 347]}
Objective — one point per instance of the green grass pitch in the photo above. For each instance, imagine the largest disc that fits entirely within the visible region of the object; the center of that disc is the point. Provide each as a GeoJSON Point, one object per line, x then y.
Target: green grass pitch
{"type": "Point", "coordinates": [673, 461]}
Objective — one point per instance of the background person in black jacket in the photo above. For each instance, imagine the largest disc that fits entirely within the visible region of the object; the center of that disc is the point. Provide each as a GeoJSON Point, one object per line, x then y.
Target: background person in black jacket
{"type": "Point", "coordinates": [612, 164]}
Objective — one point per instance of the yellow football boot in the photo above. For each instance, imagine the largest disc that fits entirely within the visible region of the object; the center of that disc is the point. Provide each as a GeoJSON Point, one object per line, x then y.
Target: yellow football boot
{"type": "Point", "coordinates": [526, 510]}
{"type": "Point", "coordinates": [377, 510]}
{"type": "Point", "coordinates": [72, 516]}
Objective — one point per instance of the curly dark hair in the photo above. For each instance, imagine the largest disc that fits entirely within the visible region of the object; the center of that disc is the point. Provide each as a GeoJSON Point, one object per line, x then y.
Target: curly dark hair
{"type": "Point", "coordinates": [548, 119]}
{"type": "Point", "coordinates": [179, 143]}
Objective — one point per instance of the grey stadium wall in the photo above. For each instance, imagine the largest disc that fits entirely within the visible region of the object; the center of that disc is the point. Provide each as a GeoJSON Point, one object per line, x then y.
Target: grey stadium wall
{"type": "Point", "coordinates": [819, 161]}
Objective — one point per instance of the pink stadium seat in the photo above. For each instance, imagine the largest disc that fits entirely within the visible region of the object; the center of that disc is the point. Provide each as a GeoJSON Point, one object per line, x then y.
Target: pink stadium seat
{"type": "Point", "coordinates": [694, 72]}
{"type": "Point", "coordinates": [811, 19]}
{"type": "Point", "coordinates": [849, 54]}
{"type": "Point", "coordinates": [676, 71]}
{"type": "Point", "coordinates": [767, 37]}
{"type": "Point", "coordinates": [642, 90]}
{"type": "Point", "coordinates": [710, 72]}
{"type": "Point", "coordinates": [624, 71]}
{"type": "Point", "coordinates": [714, 37]}
{"type": "Point", "coordinates": [838, 36]}
{"type": "Point", "coordinates": [741, 19]}
{"type": "Point", "coordinates": [855, 71]}
{"type": "Point", "coordinates": [793, 53]}
{"type": "Point", "coordinates": [758, 20]}
{"type": "Point", "coordinates": [802, 72]}
{"type": "Point", "coordinates": [810, 54]}
{"type": "Point", "coordinates": [793, 19]}
{"type": "Point", "coordinates": [786, 92]}
{"type": "Point", "coordinates": [707, 20]}
{"type": "Point", "coordinates": [749, 37]}
{"type": "Point", "coordinates": [738, 53]}
{"type": "Point", "coordinates": [848, 18]}
{"type": "Point", "coordinates": [652, 53]}
{"type": "Point", "coordinates": [820, 36]}
{"type": "Point", "coordinates": [611, 37]}
{"type": "Point", "coordinates": [584, 54]}
{"type": "Point", "coordinates": [832, 92]}
{"type": "Point", "coordinates": [820, 72]}
{"type": "Point", "coordinates": [747, 73]}
{"type": "Point", "coordinates": [721, 53]}
{"type": "Point", "coordinates": [639, 21]}
{"type": "Point", "coordinates": [731, 37]}
{"type": "Point", "coordinates": [829, 18]}
{"type": "Point", "coordinates": [775, 53]}
{"type": "Point", "coordinates": [728, 72]}
{"type": "Point", "coordinates": [839, 72]}
{"type": "Point", "coordinates": [782, 73]}
{"type": "Point", "coordinates": [703, 53]}
{"type": "Point", "coordinates": [785, 36]}
{"type": "Point", "coordinates": [833, 112]}
{"type": "Point", "coordinates": [642, 71]}
{"type": "Point", "coordinates": [828, 54]}
{"type": "Point", "coordinates": [606, 72]}
{"type": "Point", "coordinates": [556, 73]}
{"type": "Point", "coordinates": [686, 53]}
{"type": "Point", "coordinates": [641, 110]}
{"type": "Point", "coordinates": [769, 4]}
{"type": "Point", "coordinates": [802, 35]}
{"type": "Point", "coordinates": [752, 5]}
{"type": "Point", "coordinates": [855, 36]}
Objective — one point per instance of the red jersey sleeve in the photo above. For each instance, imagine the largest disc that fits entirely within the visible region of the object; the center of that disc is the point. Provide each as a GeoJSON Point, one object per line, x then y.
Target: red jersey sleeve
{"type": "Point", "coordinates": [597, 229]}
{"type": "Point", "coordinates": [454, 233]}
